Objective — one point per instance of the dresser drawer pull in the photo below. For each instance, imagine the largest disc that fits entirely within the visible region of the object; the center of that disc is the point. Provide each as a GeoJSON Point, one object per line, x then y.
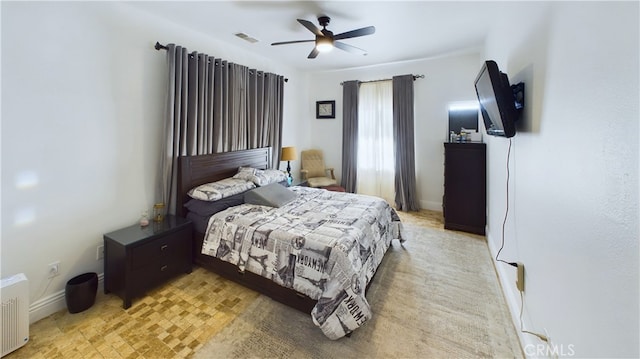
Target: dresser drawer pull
{"type": "Point", "coordinates": [163, 268]}
{"type": "Point", "coordinates": [164, 246]}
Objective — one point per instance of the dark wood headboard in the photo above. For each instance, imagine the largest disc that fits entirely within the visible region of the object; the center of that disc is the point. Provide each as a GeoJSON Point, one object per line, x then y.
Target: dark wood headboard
{"type": "Point", "coordinates": [197, 170]}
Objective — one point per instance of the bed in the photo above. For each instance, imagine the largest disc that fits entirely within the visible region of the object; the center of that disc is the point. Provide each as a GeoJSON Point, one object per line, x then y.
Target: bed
{"type": "Point", "coordinates": [316, 253]}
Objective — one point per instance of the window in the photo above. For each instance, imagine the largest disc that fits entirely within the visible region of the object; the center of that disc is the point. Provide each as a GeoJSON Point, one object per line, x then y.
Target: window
{"type": "Point", "coordinates": [376, 168]}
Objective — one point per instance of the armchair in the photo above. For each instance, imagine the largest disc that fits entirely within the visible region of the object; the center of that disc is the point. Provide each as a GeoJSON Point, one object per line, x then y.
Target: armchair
{"type": "Point", "coordinates": [313, 169]}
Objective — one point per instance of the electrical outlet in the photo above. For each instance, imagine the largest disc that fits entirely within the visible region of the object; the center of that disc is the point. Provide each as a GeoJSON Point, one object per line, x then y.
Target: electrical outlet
{"type": "Point", "coordinates": [100, 252]}
{"type": "Point", "coordinates": [54, 269]}
{"type": "Point", "coordinates": [520, 278]}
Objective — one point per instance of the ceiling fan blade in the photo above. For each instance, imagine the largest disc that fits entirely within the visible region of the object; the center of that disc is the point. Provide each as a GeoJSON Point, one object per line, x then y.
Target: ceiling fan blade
{"type": "Point", "coordinates": [349, 48]}
{"type": "Point", "coordinates": [291, 42]}
{"type": "Point", "coordinates": [355, 33]}
{"type": "Point", "coordinates": [313, 53]}
{"type": "Point", "coordinates": [309, 25]}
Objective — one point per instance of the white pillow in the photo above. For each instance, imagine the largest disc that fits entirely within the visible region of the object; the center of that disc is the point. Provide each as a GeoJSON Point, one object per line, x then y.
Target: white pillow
{"type": "Point", "coordinates": [245, 173]}
{"type": "Point", "coordinates": [220, 189]}
{"type": "Point", "coordinates": [265, 177]}
{"type": "Point", "coordinates": [260, 177]}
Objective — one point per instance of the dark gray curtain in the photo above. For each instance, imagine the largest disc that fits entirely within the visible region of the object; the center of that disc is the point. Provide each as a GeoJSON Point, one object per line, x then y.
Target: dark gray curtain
{"type": "Point", "coordinates": [404, 149]}
{"type": "Point", "coordinates": [174, 142]}
{"type": "Point", "coordinates": [350, 135]}
{"type": "Point", "coordinates": [216, 106]}
{"type": "Point", "coordinates": [270, 105]}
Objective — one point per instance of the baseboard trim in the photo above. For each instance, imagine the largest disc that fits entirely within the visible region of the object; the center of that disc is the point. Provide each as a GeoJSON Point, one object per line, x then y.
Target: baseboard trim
{"type": "Point", "coordinates": [512, 297]}
{"type": "Point", "coordinates": [431, 205]}
{"type": "Point", "coordinates": [53, 303]}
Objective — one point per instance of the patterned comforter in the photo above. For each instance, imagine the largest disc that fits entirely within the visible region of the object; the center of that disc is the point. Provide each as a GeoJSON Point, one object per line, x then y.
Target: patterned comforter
{"type": "Point", "coordinates": [324, 244]}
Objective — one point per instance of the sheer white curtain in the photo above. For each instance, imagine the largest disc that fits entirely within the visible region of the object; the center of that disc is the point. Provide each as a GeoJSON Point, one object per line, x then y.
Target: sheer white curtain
{"type": "Point", "coordinates": [376, 174]}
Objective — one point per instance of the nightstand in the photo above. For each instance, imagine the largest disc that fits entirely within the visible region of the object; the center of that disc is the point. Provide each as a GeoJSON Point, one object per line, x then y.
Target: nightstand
{"type": "Point", "coordinates": [137, 258]}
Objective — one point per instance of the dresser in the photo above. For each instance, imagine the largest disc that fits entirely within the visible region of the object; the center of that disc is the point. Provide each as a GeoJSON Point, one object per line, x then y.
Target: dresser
{"type": "Point", "coordinates": [137, 259]}
{"type": "Point", "coordinates": [465, 200]}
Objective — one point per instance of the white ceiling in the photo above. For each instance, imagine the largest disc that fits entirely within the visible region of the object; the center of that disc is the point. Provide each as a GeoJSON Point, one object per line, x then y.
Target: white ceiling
{"type": "Point", "coordinates": [405, 30]}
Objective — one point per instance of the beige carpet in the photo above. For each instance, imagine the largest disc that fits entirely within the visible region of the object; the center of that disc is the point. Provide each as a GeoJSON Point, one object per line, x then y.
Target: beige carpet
{"type": "Point", "coordinates": [435, 297]}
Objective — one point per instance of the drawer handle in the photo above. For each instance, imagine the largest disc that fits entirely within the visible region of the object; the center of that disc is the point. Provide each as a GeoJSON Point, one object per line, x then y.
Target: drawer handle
{"type": "Point", "coordinates": [162, 269]}
{"type": "Point", "coordinates": [163, 247]}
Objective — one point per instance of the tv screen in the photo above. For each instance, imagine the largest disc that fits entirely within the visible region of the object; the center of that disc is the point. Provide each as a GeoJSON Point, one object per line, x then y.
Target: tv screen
{"type": "Point", "coordinates": [496, 99]}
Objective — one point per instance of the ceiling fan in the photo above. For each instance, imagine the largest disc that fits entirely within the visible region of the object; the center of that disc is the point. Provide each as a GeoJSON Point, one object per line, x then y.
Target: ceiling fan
{"type": "Point", "coordinates": [326, 40]}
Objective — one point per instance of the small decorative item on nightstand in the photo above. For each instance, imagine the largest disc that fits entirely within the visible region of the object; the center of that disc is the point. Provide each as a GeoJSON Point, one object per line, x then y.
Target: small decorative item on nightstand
{"type": "Point", "coordinates": [144, 219]}
{"type": "Point", "coordinates": [157, 212]}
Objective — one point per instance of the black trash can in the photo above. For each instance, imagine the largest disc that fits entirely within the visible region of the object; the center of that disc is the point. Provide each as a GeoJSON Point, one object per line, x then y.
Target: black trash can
{"type": "Point", "coordinates": [80, 292]}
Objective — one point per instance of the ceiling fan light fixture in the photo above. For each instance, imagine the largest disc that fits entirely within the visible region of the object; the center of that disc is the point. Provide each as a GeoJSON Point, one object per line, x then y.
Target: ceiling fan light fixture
{"type": "Point", "coordinates": [324, 44]}
{"type": "Point", "coordinates": [325, 39]}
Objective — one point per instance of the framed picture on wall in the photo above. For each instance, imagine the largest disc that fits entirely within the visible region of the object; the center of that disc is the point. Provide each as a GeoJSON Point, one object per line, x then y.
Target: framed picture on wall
{"type": "Point", "coordinates": [325, 109]}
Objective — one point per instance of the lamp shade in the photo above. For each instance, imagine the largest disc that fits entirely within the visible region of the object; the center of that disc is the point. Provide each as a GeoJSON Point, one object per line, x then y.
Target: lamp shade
{"type": "Point", "coordinates": [288, 154]}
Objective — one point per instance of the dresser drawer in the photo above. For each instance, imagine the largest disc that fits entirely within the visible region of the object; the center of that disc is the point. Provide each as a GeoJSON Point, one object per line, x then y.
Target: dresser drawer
{"type": "Point", "coordinates": [160, 251]}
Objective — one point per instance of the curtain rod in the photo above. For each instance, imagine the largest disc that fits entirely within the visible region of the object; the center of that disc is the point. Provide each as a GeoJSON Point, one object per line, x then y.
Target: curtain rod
{"type": "Point", "coordinates": [158, 46]}
{"type": "Point", "coordinates": [415, 77]}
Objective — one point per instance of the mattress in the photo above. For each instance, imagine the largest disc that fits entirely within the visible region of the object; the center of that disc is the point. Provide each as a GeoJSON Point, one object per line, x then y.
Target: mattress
{"type": "Point", "coordinates": [324, 244]}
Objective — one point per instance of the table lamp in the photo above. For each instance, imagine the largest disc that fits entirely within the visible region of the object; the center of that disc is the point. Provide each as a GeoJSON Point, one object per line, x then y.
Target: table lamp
{"type": "Point", "coordinates": [288, 154]}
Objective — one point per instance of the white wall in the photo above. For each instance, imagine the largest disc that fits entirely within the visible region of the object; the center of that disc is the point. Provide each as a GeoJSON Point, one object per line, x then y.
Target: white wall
{"type": "Point", "coordinates": [447, 79]}
{"type": "Point", "coordinates": [573, 202]}
{"type": "Point", "coordinates": [82, 97]}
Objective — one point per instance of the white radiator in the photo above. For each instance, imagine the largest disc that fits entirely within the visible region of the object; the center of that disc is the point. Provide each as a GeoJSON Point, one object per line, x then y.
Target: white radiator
{"type": "Point", "coordinates": [14, 318]}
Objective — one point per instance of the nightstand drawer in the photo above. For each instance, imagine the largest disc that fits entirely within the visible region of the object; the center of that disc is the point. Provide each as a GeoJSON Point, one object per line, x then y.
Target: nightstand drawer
{"type": "Point", "coordinates": [158, 273]}
{"type": "Point", "coordinates": [160, 251]}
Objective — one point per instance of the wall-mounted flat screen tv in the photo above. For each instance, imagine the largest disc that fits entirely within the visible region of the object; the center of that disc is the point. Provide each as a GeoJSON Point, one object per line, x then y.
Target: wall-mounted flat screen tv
{"type": "Point", "coordinates": [500, 103]}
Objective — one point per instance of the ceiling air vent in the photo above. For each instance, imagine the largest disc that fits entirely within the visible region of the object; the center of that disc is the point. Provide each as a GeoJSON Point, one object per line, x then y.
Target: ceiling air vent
{"type": "Point", "coordinates": [246, 37]}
